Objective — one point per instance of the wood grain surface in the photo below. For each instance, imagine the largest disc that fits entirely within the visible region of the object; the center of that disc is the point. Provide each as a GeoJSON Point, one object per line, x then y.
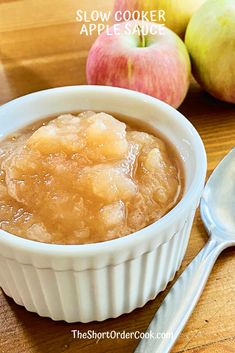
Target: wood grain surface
{"type": "Point", "coordinates": [40, 47]}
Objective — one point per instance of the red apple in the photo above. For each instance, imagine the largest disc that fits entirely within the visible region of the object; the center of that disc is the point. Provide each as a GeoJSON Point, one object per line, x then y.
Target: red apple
{"type": "Point", "coordinates": [135, 55]}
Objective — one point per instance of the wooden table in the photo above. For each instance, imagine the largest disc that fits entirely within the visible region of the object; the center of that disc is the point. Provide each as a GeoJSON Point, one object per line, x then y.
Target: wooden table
{"type": "Point", "coordinates": [40, 47]}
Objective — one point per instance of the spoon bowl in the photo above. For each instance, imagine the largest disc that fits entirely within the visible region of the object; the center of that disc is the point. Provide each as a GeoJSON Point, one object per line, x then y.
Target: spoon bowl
{"type": "Point", "coordinates": [218, 201]}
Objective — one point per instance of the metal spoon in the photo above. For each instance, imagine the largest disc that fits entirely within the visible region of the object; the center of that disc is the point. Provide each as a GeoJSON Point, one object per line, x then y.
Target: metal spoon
{"type": "Point", "coordinates": [218, 214]}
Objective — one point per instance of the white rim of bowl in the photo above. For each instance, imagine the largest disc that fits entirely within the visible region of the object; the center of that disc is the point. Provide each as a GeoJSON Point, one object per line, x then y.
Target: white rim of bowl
{"type": "Point", "coordinates": [135, 238]}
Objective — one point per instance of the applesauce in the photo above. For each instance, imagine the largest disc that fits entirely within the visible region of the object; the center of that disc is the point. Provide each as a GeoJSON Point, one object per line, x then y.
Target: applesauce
{"type": "Point", "coordinates": [85, 178]}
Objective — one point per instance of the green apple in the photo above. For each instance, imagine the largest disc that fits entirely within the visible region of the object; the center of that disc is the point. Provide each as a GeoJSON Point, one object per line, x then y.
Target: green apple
{"type": "Point", "coordinates": [210, 39]}
{"type": "Point", "coordinates": [177, 12]}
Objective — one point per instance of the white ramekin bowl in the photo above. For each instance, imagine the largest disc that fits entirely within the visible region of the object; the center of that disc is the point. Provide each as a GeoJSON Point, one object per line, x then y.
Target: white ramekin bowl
{"type": "Point", "coordinates": [103, 280]}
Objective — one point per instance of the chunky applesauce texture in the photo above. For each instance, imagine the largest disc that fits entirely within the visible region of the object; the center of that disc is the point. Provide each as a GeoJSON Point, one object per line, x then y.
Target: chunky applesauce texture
{"type": "Point", "coordinates": [84, 178]}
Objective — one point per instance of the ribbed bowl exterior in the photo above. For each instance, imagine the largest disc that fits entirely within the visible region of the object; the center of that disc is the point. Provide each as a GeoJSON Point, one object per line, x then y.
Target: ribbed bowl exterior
{"type": "Point", "coordinates": [97, 293]}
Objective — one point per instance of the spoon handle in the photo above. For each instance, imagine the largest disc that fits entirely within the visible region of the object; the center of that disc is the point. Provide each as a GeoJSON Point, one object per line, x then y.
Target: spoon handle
{"type": "Point", "coordinates": [175, 310]}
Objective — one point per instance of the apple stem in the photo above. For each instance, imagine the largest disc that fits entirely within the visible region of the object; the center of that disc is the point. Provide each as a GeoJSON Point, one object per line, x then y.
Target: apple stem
{"type": "Point", "coordinates": [142, 40]}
